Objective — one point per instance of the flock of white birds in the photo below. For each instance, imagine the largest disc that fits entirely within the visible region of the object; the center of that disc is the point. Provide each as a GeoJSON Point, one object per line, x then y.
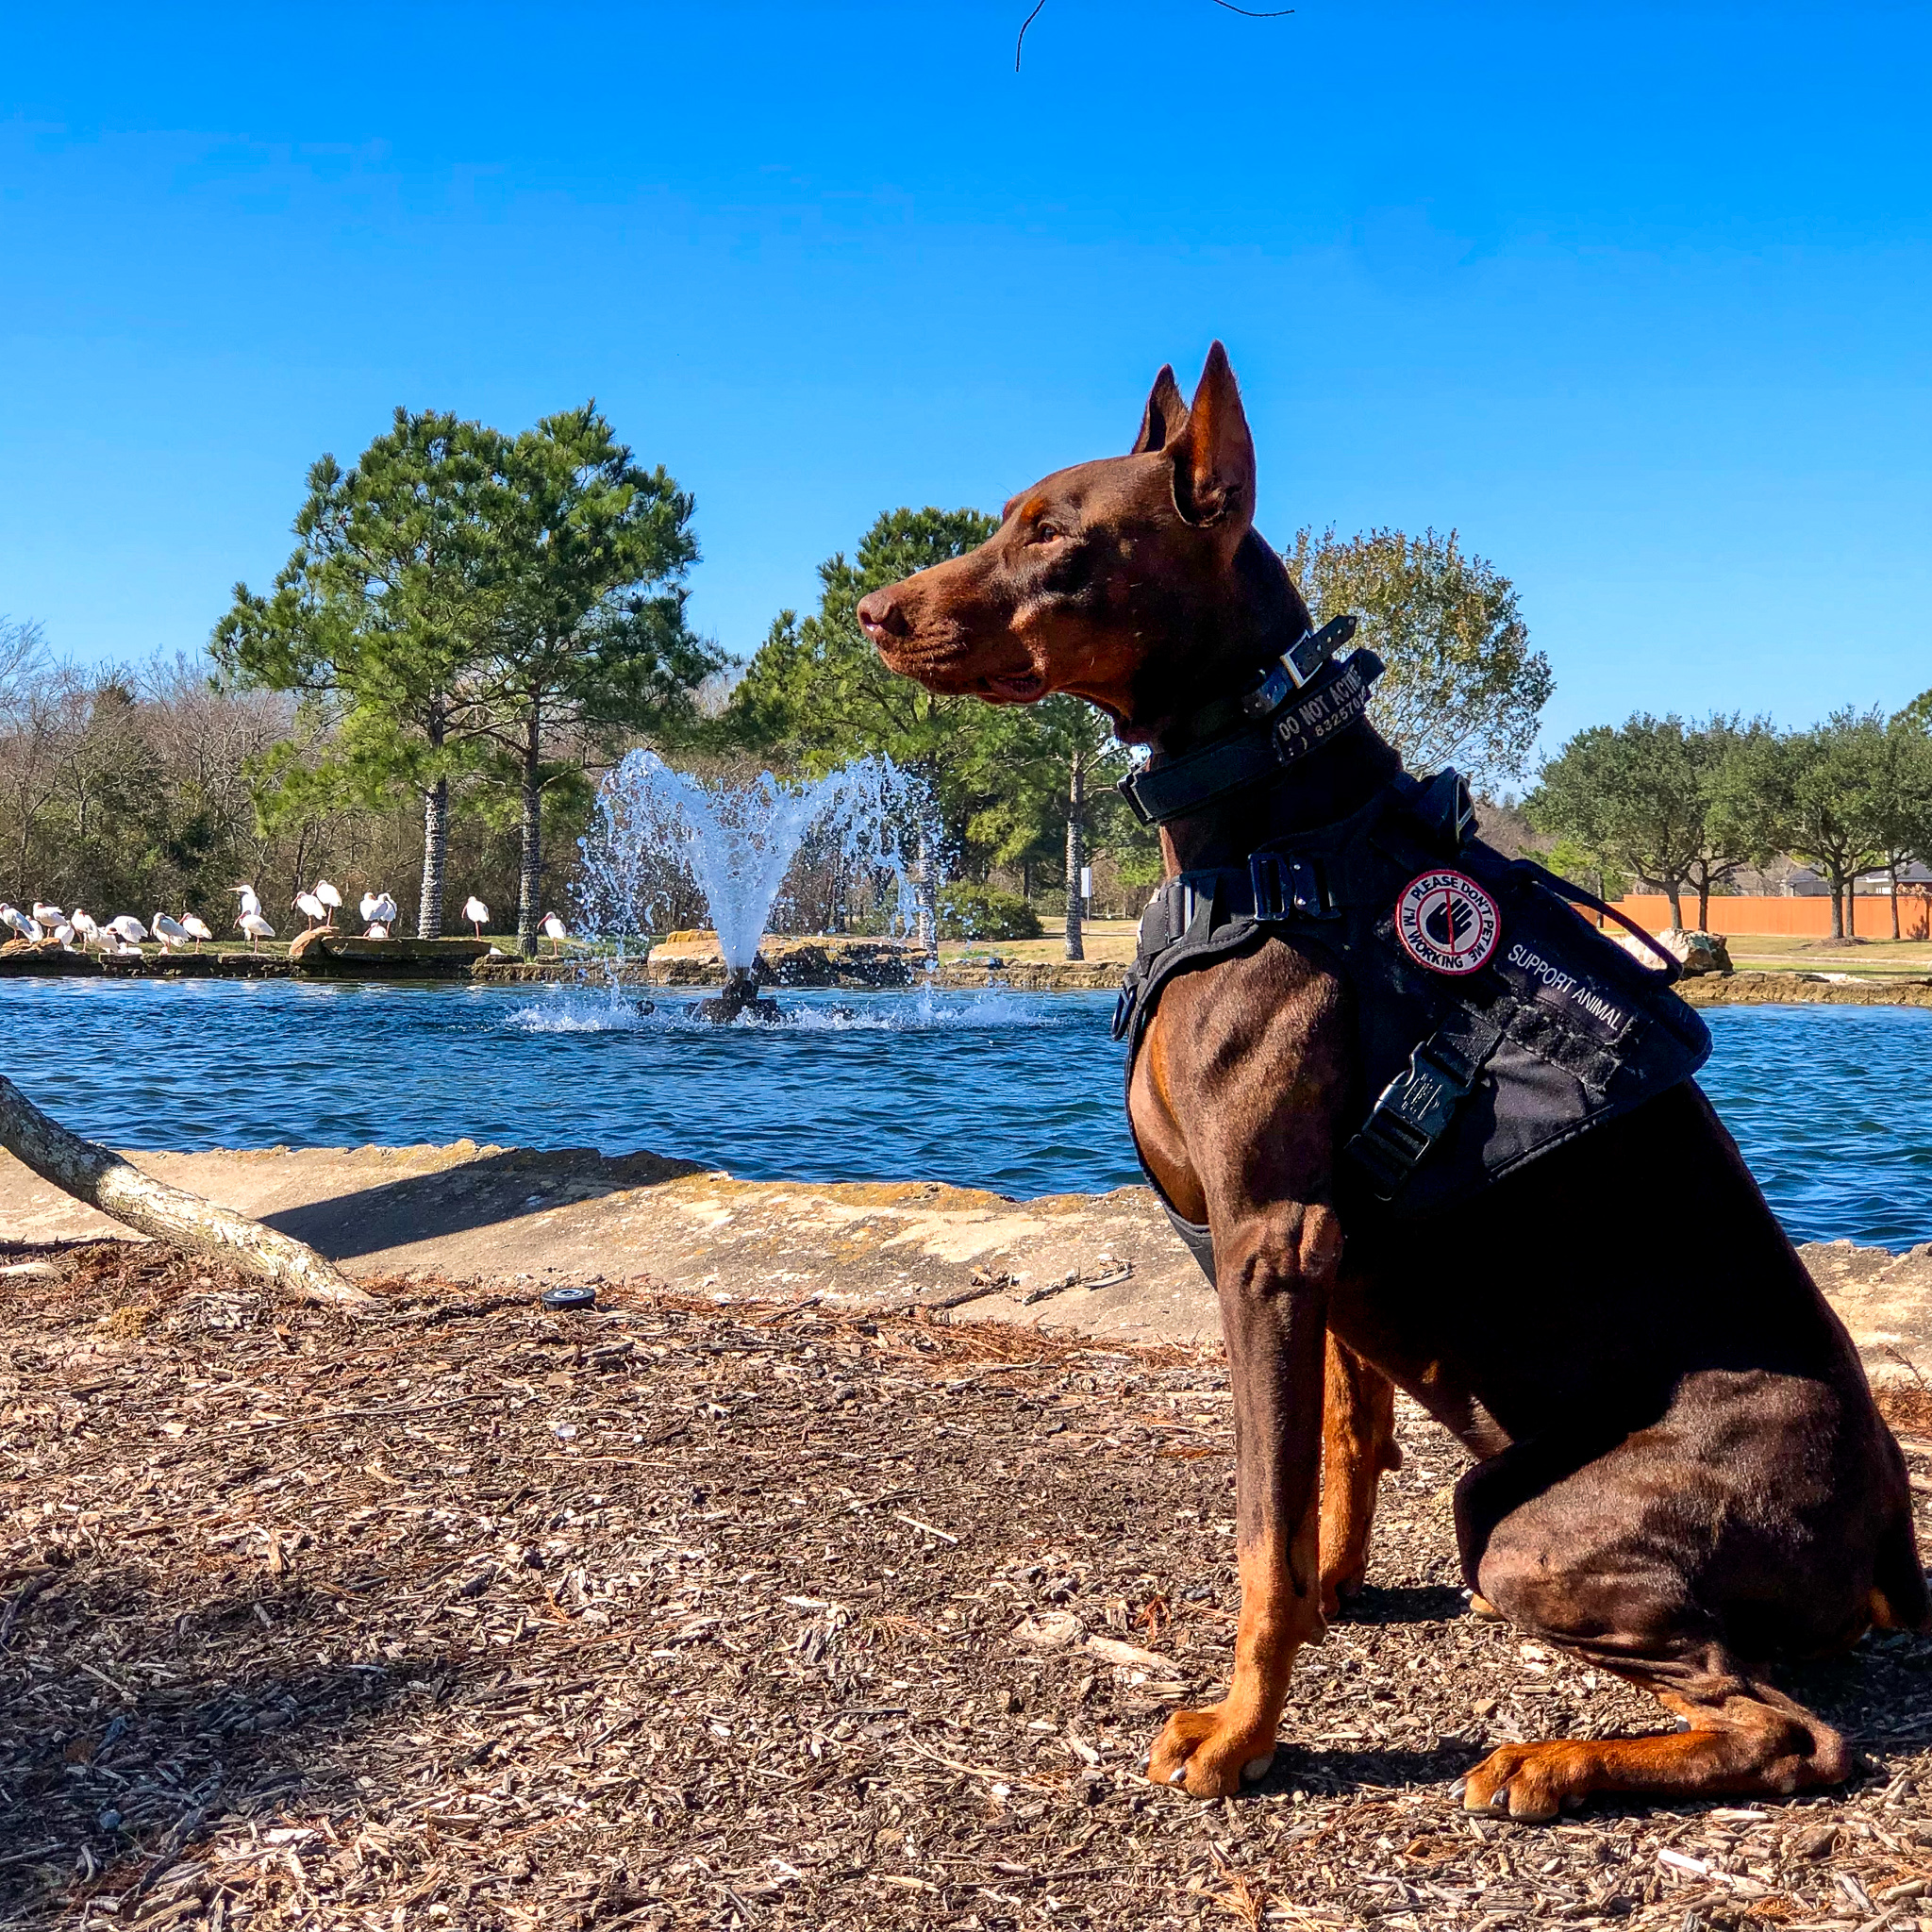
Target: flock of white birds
{"type": "Point", "coordinates": [79, 931]}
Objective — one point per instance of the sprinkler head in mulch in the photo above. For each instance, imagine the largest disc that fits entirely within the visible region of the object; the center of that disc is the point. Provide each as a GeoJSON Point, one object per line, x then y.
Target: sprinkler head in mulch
{"type": "Point", "coordinates": [568, 1299]}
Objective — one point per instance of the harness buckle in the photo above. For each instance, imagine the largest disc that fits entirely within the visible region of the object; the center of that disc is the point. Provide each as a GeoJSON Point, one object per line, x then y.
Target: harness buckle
{"type": "Point", "coordinates": [1443, 805]}
{"type": "Point", "coordinates": [1288, 887]}
{"type": "Point", "coordinates": [1411, 1114]}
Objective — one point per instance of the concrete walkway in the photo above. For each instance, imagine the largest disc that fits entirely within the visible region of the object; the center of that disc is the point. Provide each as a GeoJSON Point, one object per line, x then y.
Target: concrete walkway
{"type": "Point", "coordinates": [1105, 1264]}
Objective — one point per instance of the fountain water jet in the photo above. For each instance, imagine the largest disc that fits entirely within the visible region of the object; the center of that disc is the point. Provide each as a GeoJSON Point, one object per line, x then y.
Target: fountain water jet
{"type": "Point", "coordinates": [737, 844]}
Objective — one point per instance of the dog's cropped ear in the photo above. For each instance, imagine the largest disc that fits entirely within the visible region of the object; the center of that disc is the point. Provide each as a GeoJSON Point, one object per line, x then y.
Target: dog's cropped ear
{"type": "Point", "coordinates": [1165, 416]}
{"type": "Point", "coordinates": [1214, 462]}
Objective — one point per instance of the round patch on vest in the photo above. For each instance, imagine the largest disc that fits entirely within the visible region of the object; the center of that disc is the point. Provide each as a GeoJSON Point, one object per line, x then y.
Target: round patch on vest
{"type": "Point", "coordinates": [1447, 923]}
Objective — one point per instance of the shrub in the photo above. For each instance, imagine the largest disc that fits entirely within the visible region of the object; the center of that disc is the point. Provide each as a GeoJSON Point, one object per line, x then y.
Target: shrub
{"type": "Point", "coordinates": [979, 912]}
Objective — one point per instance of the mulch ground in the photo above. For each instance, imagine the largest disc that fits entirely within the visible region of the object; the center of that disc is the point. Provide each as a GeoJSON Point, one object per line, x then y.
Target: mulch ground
{"type": "Point", "coordinates": [712, 1615]}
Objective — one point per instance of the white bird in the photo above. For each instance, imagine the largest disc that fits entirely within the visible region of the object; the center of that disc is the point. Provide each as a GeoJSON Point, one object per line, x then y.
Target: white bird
{"type": "Point", "coordinates": [83, 923]}
{"type": "Point", "coordinates": [556, 932]}
{"type": "Point", "coordinates": [129, 927]}
{"type": "Point", "coordinates": [249, 902]}
{"type": "Point", "coordinates": [329, 897]}
{"type": "Point", "coordinates": [27, 928]}
{"type": "Point", "coordinates": [64, 933]}
{"type": "Point", "coordinates": [379, 908]}
{"type": "Point", "coordinates": [171, 932]}
{"type": "Point", "coordinates": [311, 907]}
{"type": "Point", "coordinates": [256, 927]}
{"type": "Point", "coordinates": [377, 931]}
{"type": "Point", "coordinates": [476, 912]}
{"type": "Point", "coordinates": [197, 928]}
{"type": "Point", "coordinates": [49, 916]}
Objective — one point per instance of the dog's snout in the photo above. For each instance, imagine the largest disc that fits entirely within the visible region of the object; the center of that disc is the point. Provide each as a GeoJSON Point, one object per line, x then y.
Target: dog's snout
{"type": "Point", "coordinates": [881, 615]}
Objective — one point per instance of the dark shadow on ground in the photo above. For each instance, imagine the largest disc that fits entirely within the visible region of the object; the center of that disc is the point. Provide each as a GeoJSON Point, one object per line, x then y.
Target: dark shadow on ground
{"type": "Point", "coordinates": [1404, 1604]}
{"type": "Point", "coordinates": [1879, 1693]}
{"type": "Point", "coordinates": [484, 1192]}
{"type": "Point", "coordinates": [110, 1765]}
{"type": "Point", "coordinates": [1318, 1768]}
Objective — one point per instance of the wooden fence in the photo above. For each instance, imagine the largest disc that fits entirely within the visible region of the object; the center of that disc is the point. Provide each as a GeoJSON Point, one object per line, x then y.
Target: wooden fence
{"type": "Point", "coordinates": [1868, 915]}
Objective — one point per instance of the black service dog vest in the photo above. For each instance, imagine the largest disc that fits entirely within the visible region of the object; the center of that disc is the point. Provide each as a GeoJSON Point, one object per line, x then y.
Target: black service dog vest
{"type": "Point", "coordinates": [1494, 1022]}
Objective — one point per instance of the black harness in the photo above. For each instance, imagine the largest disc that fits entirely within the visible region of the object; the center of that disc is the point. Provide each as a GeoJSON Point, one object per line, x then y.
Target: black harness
{"type": "Point", "coordinates": [1494, 1022]}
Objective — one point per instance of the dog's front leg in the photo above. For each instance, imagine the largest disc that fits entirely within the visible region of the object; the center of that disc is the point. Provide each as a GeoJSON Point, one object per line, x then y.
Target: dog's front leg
{"type": "Point", "coordinates": [1273, 1270]}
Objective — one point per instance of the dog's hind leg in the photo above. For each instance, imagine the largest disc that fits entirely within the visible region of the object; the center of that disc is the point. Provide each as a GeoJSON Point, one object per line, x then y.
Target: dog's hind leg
{"type": "Point", "coordinates": [1358, 1445]}
{"type": "Point", "coordinates": [1728, 1532]}
{"type": "Point", "coordinates": [1745, 1738]}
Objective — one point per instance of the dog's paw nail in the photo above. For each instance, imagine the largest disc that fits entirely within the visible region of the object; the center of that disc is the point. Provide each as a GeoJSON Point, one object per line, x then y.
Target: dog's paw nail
{"type": "Point", "coordinates": [1179, 1775]}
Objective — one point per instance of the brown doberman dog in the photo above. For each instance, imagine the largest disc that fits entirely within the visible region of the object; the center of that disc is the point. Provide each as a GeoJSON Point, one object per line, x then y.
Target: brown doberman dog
{"type": "Point", "coordinates": [1679, 1473]}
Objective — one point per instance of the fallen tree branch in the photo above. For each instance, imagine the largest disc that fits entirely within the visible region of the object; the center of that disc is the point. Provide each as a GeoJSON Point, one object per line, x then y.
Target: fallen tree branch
{"type": "Point", "coordinates": [103, 1179]}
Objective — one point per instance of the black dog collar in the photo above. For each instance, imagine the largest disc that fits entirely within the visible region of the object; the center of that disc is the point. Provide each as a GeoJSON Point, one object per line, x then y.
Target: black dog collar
{"type": "Point", "coordinates": [1304, 708]}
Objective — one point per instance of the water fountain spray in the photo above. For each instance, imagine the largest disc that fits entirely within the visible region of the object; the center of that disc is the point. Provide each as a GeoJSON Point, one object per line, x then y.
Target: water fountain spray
{"type": "Point", "coordinates": [662, 831]}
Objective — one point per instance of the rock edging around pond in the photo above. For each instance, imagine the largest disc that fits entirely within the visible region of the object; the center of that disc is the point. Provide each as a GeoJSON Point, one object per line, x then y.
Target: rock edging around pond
{"type": "Point", "coordinates": [1803, 990]}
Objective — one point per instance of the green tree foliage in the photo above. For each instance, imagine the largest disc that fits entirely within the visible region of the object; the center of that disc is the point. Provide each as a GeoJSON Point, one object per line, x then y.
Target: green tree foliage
{"type": "Point", "coordinates": [1462, 686]}
{"type": "Point", "coordinates": [1903, 818]}
{"type": "Point", "coordinates": [588, 550]}
{"type": "Point", "coordinates": [463, 606]}
{"type": "Point", "coordinates": [1014, 784]}
{"type": "Point", "coordinates": [1645, 798]}
{"type": "Point", "coordinates": [380, 617]}
{"type": "Point", "coordinates": [980, 912]}
{"type": "Point", "coordinates": [817, 693]}
{"type": "Point", "coordinates": [126, 790]}
{"type": "Point", "coordinates": [1822, 795]}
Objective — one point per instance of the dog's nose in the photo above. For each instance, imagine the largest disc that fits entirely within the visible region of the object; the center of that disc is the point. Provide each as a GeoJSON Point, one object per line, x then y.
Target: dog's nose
{"type": "Point", "coordinates": [880, 616]}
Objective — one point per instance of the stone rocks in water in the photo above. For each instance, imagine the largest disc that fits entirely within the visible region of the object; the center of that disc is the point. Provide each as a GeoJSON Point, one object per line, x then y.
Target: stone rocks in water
{"type": "Point", "coordinates": [692, 959]}
{"type": "Point", "coordinates": [1697, 952]}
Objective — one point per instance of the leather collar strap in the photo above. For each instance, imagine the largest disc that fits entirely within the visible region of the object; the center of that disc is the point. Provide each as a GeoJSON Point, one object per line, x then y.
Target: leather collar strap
{"type": "Point", "coordinates": [1301, 723]}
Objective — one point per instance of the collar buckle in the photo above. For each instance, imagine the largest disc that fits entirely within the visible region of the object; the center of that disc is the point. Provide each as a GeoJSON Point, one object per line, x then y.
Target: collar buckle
{"type": "Point", "coordinates": [1298, 665]}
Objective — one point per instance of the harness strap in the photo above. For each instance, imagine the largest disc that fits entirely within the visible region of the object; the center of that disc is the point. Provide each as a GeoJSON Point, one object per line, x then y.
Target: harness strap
{"type": "Point", "coordinates": [1418, 1107]}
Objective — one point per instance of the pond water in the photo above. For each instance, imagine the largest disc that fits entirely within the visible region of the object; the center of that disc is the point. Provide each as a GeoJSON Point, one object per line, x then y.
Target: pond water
{"type": "Point", "coordinates": [1016, 1092]}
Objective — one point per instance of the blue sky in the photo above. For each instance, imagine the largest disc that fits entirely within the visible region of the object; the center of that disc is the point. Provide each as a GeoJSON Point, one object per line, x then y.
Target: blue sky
{"type": "Point", "coordinates": [1635, 297]}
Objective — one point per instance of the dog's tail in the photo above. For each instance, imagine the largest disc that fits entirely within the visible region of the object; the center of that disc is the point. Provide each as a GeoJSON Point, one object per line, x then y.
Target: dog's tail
{"type": "Point", "coordinates": [1899, 1596]}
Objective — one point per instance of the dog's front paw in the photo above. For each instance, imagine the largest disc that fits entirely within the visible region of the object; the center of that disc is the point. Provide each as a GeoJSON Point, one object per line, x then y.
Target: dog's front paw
{"type": "Point", "coordinates": [1206, 1756]}
{"type": "Point", "coordinates": [1529, 1782]}
{"type": "Point", "coordinates": [1340, 1588]}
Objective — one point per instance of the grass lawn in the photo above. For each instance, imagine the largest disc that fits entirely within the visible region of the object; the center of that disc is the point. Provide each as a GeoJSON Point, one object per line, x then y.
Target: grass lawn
{"type": "Point", "coordinates": [1873, 958]}
{"type": "Point", "coordinates": [1103, 939]}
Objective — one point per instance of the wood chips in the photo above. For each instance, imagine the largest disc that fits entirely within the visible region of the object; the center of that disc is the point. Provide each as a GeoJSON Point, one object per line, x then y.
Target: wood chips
{"type": "Point", "coordinates": [685, 1614]}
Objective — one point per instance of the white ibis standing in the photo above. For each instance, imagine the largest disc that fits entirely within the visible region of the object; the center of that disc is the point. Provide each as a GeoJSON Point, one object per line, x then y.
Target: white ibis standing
{"type": "Point", "coordinates": [27, 928]}
{"type": "Point", "coordinates": [379, 908]}
{"type": "Point", "coordinates": [376, 930]}
{"type": "Point", "coordinates": [131, 930]}
{"type": "Point", "coordinates": [83, 923]}
{"type": "Point", "coordinates": [171, 932]}
{"type": "Point", "coordinates": [256, 927]}
{"type": "Point", "coordinates": [64, 933]}
{"type": "Point", "coordinates": [476, 912]}
{"type": "Point", "coordinates": [197, 928]}
{"type": "Point", "coordinates": [331, 898]}
{"type": "Point", "coordinates": [556, 932]}
{"type": "Point", "coordinates": [49, 916]}
{"type": "Point", "coordinates": [311, 907]}
{"type": "Point", "coordinates": [249, 903]}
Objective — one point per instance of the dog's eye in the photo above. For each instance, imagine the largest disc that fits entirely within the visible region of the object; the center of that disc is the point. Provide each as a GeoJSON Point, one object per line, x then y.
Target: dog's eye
{"type": "Point", "coordinates": [1047, 533]}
